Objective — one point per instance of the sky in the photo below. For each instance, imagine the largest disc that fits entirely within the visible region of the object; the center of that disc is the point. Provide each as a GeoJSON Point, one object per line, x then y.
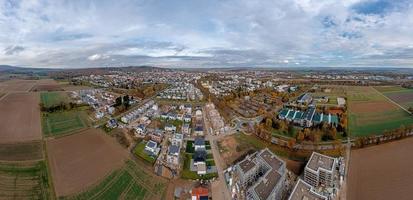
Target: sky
{"type": "Point", "coordinates": [206, 33]}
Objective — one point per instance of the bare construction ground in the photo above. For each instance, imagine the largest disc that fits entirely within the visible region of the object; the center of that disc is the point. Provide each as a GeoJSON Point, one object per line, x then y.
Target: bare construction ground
{"type": "Point", "coordinates": [381, 172]}
{"type": "Point", "coordinates": [81, 160]}
{"type": "Point", "coordinates": [20, 118]}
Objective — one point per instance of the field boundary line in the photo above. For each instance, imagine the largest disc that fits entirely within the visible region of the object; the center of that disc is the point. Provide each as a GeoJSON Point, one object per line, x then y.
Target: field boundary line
{"type": "Point", "coordinates": [140, 182]}
{"type": "Point", "coordinates": [5, 94]}
{"type": "Point", "coordinates": [392, 101]}
{"type": "Point", "coordinates": [108, 186]}
{"type": "Point", "coordinates": [52, 189]}
{"type": "Point", "coordinates": [21, 161]}
{"type": "Point", "coordinates": [125, 192]}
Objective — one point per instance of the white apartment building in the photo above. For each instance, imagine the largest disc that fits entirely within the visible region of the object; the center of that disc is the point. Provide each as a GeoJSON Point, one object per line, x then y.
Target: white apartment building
{"type": "Point", "coordinates": [319, 170]}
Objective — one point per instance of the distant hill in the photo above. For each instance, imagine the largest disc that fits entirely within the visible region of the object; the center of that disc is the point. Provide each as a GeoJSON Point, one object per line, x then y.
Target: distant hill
{"type": "Point", "coordinates": [7, 68]}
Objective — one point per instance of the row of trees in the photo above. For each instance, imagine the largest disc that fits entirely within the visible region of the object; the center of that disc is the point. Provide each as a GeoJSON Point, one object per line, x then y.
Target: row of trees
{"type": "Point", "coordinates": [316, 133]}
{"type": "Point", "coordinates": [387, 136]}
{"type": "Point", "coordinates": [123, 101]}
{"type": "Point", "coordinates": [62, 106]}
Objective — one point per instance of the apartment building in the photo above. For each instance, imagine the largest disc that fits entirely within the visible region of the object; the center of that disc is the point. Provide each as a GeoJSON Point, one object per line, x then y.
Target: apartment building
{"type": "Point", "coordinates": [303, 190]}
{"type": "Point", "coordinates": [319, 170]}
{"type": "Point", "coordinates": [262, 175]}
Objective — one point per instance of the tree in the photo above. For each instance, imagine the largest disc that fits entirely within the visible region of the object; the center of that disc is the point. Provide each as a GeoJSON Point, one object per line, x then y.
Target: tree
{"type": "Point", "coordinates": [290, 129]}
{"type": "Point", "coordinates": [300, 136]}
{"type": "Point", "coordinates": [268, 123]}
{"type": "Point", "coordinates": [118, 101]}
{"type": "Point", "coordinates": [291, 143]}
{"type": "Point", "coordinates": [126, 101]}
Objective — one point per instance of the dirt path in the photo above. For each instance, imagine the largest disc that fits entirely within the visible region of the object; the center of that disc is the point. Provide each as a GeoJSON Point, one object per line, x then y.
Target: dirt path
{"type": "Point", "coordinates": [392, 101]}
{"type": "Point", "coordinates": [220, 189]}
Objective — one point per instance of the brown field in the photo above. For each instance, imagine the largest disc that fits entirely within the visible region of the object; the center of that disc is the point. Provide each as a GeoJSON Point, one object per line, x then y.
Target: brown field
{"type": "Point", "coordinates": [46, 85]}
{"type": "Point", "coordinates": [68, 87]}
{"type": "Point", "coordinates": [20, 118]}
{"type": "Point", "coordinates": [381, 172]}
{"type": "Point", "coordinates": [17, 85]}
{"type": "Point", "coordinates": [21, 151]}
{"type": "Point", "coordinates": [401, 97]}
{"type": "Point", "coordinates": [373, 106]}
{"type": "Point", "coordinates": [81, 160]}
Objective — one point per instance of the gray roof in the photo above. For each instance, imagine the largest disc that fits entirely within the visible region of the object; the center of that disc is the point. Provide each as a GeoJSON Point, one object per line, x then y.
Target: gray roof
{"type": "Point", "coordinates": [173, 149]}
{"type": "Point", "coordinates": [151, 144]}
{"type": "Point", "coordinates": [199, 141]}
{"type": "Point", "coordinates": [318, 160]}
{"type": "Point", "coordinates": [303, 190]}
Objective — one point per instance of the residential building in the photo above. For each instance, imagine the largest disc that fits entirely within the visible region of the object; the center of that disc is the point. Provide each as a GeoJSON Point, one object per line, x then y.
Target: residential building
{"type": "Point", "coordinates": [177, 139]}
{"type": "Point", "coordinates": [319, 170]}
{"type": "Point", "coordinates": [303, 190]}
{"type": "Point", "coordinates": [200, 193]}
{"type": "Point", "coordinates": [262, 175]}
{"type": "Point", "coordinates": [170, 128]}
{"type": "Point", "coordinates": [151, 148]}
{"type": "Point", "coordinates": [199, 143]}
{"type": "Point", "coordinates": [140, 130]}
{"type": "Point", "coordinates": [173, 154]}
{"type": "Point", "coordinates": [199, 158]}
{"type": "Point", "coordinates": [185, 129]}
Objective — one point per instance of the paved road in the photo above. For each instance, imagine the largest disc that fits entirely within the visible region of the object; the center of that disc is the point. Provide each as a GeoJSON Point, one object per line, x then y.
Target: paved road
{"type": "Point", "coordinates": [220, 189]}
{"type": "Point", "coordinates": [220, 183]}
{"type": "Point", "coordinates": [343, 190]}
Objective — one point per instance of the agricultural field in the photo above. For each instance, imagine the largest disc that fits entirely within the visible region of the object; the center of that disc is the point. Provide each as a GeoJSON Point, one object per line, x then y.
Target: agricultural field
{"type": "Point", "coordinates": [381, 172]}
{"type": "Point", "coordinates": [21, 151]}
{"type": "Point", "coordinates": [59, 123]}
{"type": "Point", "coordinates": [53, 98]}
{"type": "Point", "coordinates": [372, 113]}
{"type": "Point", "coordinates": [28, 180]}
{"type": "Point", "coordinates": [17, 85]}
{"type": "Point", "coordinates": [398, 94]}
{"type": "Point", "coordinates": [20, 118]}
{"type": "Point", "coordinates": [81, 160]}
{"type": "Point", "coordinates": [46, 85]}
{"type": "Point", "coordinates": [129, 182]}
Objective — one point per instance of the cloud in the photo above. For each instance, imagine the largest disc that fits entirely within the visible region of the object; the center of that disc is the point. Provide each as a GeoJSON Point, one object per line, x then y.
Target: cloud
{"type": "Point", "coordinates": [97, 57]}
{"type": "Point", "coordinates": [11, 50]}
{"type": "Point", "coordinates": [206, 33]}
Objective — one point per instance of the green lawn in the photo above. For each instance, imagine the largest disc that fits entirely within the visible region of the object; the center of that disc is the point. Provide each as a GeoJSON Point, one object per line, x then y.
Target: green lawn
{"type": "Point", "coordinates": [375, 122]}
{"type": "Point", "coordinates": [285, 133]}
{"type": "Point", "coordinates": [59, 123]}
{"type": "Point", "coordinates": [140, 151]}
{"type": "Point", "coordinates": [27, 180]}
{"type": "Point", "coordinates": [186, 172]}
{"type": "Point", "coordinates": [378, 122]}
{"type": "Point", "coordinates": [53, 98]}
{"type": "Point", "coordinates": [190, 147]}
{"type": "Point", "coordinates": [129, 182]}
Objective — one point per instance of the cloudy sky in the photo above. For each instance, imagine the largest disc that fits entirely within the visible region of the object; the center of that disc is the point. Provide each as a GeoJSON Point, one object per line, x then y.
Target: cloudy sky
{"type": "Point", "coordinates": [207, 33]}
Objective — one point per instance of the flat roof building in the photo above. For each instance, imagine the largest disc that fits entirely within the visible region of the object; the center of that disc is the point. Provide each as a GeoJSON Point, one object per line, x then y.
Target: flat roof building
{"type": "Point", "coordinates": [262, 175]}
{"type": "Point", "coordinates": [319, 170]}
{"type": "Point", "coordinates": [304, 191]}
